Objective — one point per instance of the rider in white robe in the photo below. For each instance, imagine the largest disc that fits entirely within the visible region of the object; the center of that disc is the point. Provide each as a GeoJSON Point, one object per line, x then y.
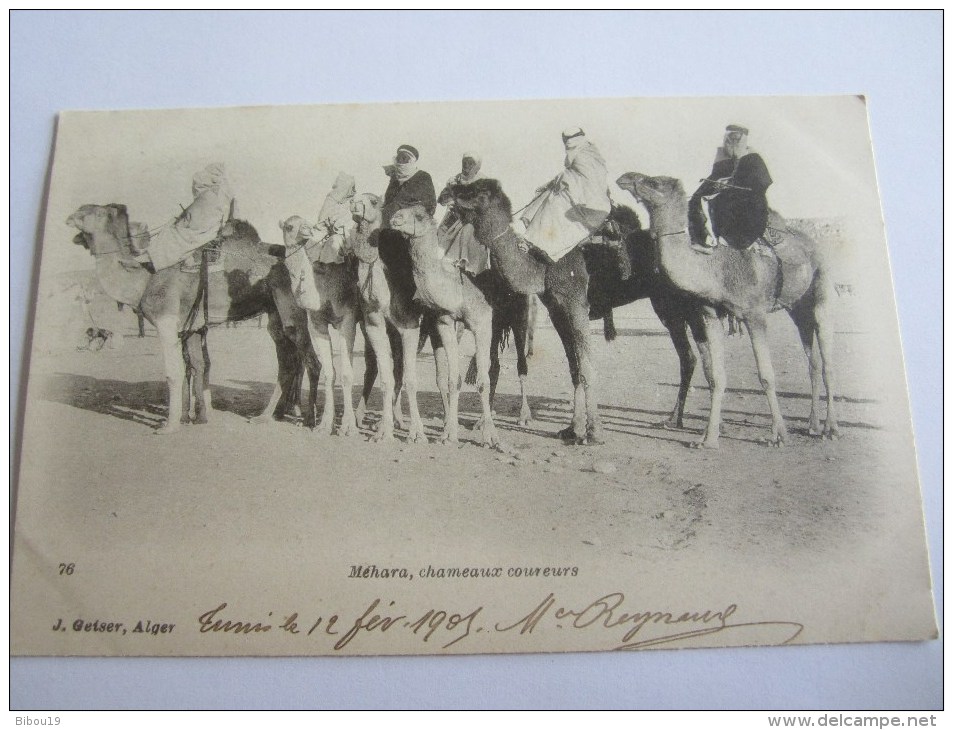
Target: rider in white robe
{"type": "Point", "coordinates": [573, 205]}
{"type": "Point", "coordinates": [200, 223]}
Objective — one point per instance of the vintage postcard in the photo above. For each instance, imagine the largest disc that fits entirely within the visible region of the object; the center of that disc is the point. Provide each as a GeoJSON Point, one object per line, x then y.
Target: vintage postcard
{"type": "Point", "coordinates": [481, 377]}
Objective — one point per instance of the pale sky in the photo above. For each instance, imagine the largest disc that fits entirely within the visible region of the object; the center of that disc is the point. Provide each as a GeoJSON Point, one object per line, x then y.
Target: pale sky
{"type": "Point", "coordinates": [283, 160]}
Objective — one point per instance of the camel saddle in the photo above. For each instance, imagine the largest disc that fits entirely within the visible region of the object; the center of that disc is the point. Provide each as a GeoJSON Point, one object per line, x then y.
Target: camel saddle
{"type": "Point", "coordinates": [192, 264]}
{"type": "Point", "coordinates": [795, 263]}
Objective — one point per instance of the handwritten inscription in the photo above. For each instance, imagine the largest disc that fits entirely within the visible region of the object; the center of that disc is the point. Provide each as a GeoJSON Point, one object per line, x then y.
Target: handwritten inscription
{"type": "Point", "coordinates": [608, 618]}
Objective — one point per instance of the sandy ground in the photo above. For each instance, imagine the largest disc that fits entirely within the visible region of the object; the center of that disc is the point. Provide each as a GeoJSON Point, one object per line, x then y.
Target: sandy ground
{"type": "Point", "coordinates": [643, 500]}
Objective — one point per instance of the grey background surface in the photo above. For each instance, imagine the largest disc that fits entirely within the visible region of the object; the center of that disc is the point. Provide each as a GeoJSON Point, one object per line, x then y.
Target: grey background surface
{"type": "Point", "coordinates": [120, 60]}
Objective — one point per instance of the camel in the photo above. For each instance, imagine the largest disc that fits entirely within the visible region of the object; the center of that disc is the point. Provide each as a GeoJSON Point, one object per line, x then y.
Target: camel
{"type": "Point", "coordinates": [749, 284]}
{"type": "Point", "coordinates": [583, 285]}
{"type": "Point", "coordinates": [332, 319]}
{"type": "Point", "coordinates": [391, 317]}
{"type": "Point", "coordinates": [251, 283]}
{"type": "Point", "coordinates": [455, 297]}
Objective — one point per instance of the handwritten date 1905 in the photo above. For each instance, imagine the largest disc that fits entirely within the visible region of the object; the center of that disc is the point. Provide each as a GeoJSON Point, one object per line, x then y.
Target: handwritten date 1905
{"type": "Point", "coordinates": [454, 626]}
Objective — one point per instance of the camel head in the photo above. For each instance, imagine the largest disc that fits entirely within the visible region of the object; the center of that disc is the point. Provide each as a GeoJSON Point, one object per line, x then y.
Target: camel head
{"type": "Point", "coordinates": [653, 192]}
{"type": "Point", "coordinates": [236, 228]}
{"type": "Point", "coordinates": [366, 208]}
{"type": "Point", "coordinates": [295, 230]}
{"type": "Point", "coordinates": [472, 200]}
{"type": "Point", "coordinates": [411, 221]}
{"type": "Point", "coordinates": [110, 220]}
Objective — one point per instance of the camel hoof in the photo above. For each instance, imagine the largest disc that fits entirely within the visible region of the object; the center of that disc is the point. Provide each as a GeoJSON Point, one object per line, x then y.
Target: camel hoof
{"type": "Point", "coordinates": [594, 439]}
{"type": "Point", "coordinates": [670, 424]}
{"type": "Point", "coordinates": [831, 432]}
{"type": "Point", "coordinates": [418, 438]}
{"type": "Point", "coordinates": [262, 419]}
{"type": "Point", "coordinates": [491, 440]}
{"type": "Point", "coordinates": [185, 420]}
{"type": "Point", "coordinates": [383, 437]}
{"type": "Point", "coordinates": [167, 429]}
{"type": "Point", "coordinates": [703, 444]}
{"type": "Point", "coordinates": [200, 420]}
{"type": "Point", "coordinates": [449, 440]}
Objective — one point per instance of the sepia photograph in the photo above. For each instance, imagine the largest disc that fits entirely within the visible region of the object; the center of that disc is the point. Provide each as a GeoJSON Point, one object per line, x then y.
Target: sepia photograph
{"type": "Point", "coordinates": [523, 376]}
{"type": "Point", "coordinates": [286, 403]}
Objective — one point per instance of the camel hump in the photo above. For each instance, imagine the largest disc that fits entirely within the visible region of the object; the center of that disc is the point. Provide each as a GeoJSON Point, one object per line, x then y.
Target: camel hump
{"type": "Point", "coordinates": [791, 246]}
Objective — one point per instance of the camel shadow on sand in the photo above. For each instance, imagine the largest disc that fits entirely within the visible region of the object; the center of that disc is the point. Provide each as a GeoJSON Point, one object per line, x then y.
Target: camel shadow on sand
{"type": "Point", "coordinates": [648, 423]}
{"type": "Point", "coordinates": [144, 402]}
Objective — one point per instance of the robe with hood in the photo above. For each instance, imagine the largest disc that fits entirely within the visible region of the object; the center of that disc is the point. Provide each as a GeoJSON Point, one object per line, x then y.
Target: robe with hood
{"type": "Point", "coordinates": [574, 205]}
{"type": "Point", "coordinates": [456, 237]}
{"type": "Point", "coordinates": [200, 223]}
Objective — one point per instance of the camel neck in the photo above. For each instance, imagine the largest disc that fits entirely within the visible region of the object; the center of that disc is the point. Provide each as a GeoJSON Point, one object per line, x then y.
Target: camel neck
{"type": "Point", "coordinates": [122, 283]}
{"type": "Point", "coordinates": [688, 269]}
{"type": "Point", "coordinates": [489, 228]}
{"type": "Point", "coordinates": [423, 243]}
{"type": "Point", "coordinates": [365, 226]}
{"type": "Point", "coordinates": [522, 273]}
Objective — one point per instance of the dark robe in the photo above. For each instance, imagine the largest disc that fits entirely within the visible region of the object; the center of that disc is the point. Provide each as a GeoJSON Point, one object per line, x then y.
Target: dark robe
{"type": "Point", "coordinates": [739, 213]}
{"type": "Point", "coordinates": [418, 188]}
{"type": "Point", "coordinates": [393, 249]}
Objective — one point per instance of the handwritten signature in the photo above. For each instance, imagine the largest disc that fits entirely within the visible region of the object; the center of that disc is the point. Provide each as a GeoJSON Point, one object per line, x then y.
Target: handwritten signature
{"type": "Point", "coordinates": [608, 613]}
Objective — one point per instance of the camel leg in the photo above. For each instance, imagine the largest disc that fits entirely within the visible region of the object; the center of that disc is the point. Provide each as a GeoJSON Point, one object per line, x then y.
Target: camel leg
{"type": "Point", "coordinates": [285, 350]}
{"type": "Point", "coordinates": [577, 425]}
{"type": "Point", "coordinates": [186, 417]}
{"type": "Point", "coordinates": [521, 332]}
{"type": "Point", "coordinates": [201, 383]}
{"type": "Point", "coordinates": [174, 371]}
{"type": "Point", "coordinates": [713, 361]}
{"type": "Point", "coordinates": [483, 336]}
{"type": "Point", "coordinates": [321, 339]}
{"type": "Point", "coordinates": [409, 338]}
{"type": "Point", "coordinates": [757, 328]}
{"type": "Point", "coordinates": [496, 341]}
{"type": "Point", "coordinates": [376, 333]}
{"type": "Point", "coordinates": [370, 375]}
{"type": "Point", "coordinates": [587, 380]}
{"type": "Point", "coordinates": [441, 366]}
{"type": "Point", "coordinates": [498, 329]}
{"type": "Point", "coordinates": [447, 330]}
{"type": "Point", "coordinates": [197, 367]}
{"type": "Point", "coordinates": [824, 316]}
{"type": "Point", "coordinates": [532, 313]}
{"type": "Point", "coordinates": [686, 368]}
{"type": "Point", "coordinates": [187, 381]}
{"type": "Point", "coordinates": [806, 327]}
{"type": "Point", "coordinates": [677, 326]}
{"type": "Point", "coordinates": [342, 342]}
{"type": "Point", "coordinates": [397, 353]}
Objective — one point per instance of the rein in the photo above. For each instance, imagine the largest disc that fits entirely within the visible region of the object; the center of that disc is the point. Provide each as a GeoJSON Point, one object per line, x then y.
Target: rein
{"type": "Point", "coordinates": [308, 242]}
{"type": "Point", "coordinates": [670, 233]}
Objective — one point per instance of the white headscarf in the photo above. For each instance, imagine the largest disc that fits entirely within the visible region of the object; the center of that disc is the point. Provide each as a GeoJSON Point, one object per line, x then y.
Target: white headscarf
{"type": "Point", "coordinates": [211, 178]}
{"type": "Point", "coordinates": [464, 179]}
